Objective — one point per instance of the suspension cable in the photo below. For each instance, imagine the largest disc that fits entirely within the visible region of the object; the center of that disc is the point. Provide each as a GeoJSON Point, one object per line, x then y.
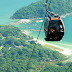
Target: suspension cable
{"type": "Point", "coordinates": [53, 14]}
{"type": "Point", "coordinates": [48, 8]}
{"type": "Point", "coordinates": [39, 34]}
{"type": "Point", "coordinates": [37, 38]}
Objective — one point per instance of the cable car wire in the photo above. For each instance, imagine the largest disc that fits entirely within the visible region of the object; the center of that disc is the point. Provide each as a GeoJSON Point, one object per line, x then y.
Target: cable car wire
{"type": "Point", "coordinates": [53, 14]}
{"type": "Point", "coordinates": [48, 8]}
{"type": "Point", "coordinates": [39, 34]}
{"type": "Point", "coordinates": [37, 37]}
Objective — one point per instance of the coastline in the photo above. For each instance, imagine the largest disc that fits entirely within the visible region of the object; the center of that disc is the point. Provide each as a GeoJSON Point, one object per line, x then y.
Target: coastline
{"type": "Point", "coordinates": [22, 21]}
{"type": "Point", "coordinates": [26, 21]}
{"type": "Point", "coordinates": [63, 16]}
{"type": "Point", "coordinates": [62, 50]}
{"type": "Point", "coordinates": [43, 43]}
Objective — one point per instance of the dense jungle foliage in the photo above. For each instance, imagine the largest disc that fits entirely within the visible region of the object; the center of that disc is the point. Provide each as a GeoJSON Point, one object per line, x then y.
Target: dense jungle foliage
{"type": "Point", "coordinates": [37, 9]}
{"type": "Point", "coordinates": [16, 49]}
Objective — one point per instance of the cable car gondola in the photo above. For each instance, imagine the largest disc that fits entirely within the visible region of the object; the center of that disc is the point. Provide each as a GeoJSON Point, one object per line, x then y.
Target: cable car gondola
{"type": "Point", "coordinates": [54, 28]}
{"type": "Point", "coordinates": [53, 25]}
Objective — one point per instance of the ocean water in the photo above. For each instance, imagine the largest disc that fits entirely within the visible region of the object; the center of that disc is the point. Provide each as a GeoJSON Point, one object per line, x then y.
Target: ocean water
{"type": "Point", "coordinates": [8, 7]}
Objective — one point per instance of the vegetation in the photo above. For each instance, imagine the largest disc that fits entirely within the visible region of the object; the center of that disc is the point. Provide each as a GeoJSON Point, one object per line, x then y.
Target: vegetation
{"type": "Point", "coordinates": [37, 9]}
{"type": "Point", "coordinates": [16, 48]}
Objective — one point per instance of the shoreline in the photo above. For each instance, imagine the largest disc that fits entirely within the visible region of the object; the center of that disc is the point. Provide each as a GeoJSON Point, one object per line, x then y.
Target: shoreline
{"type": "Point", "coordinates": [26, 21]}
{"type": "Point", "coordinates": [67, 14]}
{"type": "Point", "coordinates": [62, 50]}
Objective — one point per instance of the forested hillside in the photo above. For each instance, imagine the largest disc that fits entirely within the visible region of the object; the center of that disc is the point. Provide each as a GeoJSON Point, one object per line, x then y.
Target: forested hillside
{"type": "Point", "coordinates": [16, 48]}
{"type": "Point", "coordinates": [37, 9]}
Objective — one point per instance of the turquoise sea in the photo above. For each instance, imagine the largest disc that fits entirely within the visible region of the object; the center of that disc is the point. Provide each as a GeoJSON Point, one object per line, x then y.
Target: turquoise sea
{"type": "Point", "coordinates": [8, 7]}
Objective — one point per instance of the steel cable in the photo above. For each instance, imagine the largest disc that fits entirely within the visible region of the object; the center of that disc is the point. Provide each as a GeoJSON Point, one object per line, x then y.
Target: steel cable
{"type": "Point", "coordinates": [37, 37]}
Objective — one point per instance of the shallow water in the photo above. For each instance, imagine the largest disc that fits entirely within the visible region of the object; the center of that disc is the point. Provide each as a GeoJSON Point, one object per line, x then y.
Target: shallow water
{"type": "Point", "coordinates": [8, 7]}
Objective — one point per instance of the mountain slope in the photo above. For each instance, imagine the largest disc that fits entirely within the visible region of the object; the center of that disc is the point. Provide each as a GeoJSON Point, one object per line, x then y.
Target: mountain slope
{"type": "Point", "coordinates": [37, 9]}
{"type": "Point", "coordinates": [16, 49]}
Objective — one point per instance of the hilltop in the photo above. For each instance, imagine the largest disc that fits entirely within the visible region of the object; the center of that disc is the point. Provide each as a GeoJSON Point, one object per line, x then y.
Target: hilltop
{"type": "Point", "coordinates": [37, 9]}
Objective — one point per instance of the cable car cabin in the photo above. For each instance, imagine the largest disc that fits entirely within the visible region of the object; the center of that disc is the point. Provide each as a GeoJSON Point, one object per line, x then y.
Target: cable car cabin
{"type": "Point", "coordinates": [54, 29]}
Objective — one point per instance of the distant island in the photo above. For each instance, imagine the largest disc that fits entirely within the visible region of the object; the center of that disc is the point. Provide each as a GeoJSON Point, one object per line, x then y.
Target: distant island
{"type": "Point", "coordinates": [37, 9]}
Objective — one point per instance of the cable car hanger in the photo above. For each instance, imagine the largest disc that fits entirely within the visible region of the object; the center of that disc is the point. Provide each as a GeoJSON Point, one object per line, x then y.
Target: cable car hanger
{"type": "Point", "coordinates": [53, 26]}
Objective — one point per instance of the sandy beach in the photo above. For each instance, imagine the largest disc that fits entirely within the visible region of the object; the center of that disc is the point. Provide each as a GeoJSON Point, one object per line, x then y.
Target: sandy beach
{"type": "Point", "coordinates": [22, 21]}
{"type": "Point", "coordinates": [38, 21]}
{"type": "Point", "coordinates": [26, 21]}
{"type": "Point", "coordinates": [62, 50]}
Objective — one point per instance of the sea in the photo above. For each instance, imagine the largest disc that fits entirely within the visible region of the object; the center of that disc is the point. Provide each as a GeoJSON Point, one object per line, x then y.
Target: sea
{"type": "Point", "coordinates": [8, 8]}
